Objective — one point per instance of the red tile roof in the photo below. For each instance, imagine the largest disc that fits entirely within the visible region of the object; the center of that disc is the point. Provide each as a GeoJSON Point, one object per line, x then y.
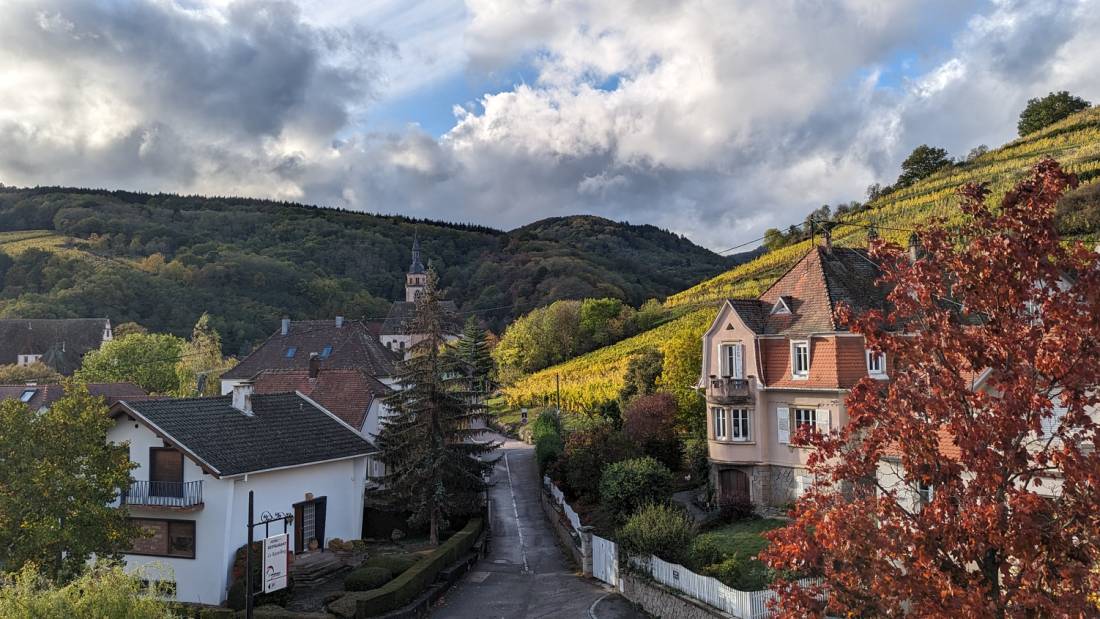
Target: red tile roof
{"type": "Point", "coordinates": [346, 393]}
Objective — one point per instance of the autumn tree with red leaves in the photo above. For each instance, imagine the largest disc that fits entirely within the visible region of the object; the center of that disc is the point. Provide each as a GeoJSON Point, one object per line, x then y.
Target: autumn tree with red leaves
{"type": "Point", "coordinates": [1013, 467]}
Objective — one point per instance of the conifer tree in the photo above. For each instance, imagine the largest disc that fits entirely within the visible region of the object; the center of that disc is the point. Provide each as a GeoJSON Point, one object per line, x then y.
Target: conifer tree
{"type": "Point", "coordinates": [472, 349]}
{"type": "Point", "coordinates": [436, 464]}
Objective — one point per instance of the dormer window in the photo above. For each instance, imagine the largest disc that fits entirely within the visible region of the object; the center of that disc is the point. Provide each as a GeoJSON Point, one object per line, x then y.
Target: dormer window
{"type": "Point", "coordinates": [800, 359]}
{"type": "Point", "coordinates": [876, 364]}
{"type": "Point", "coordinates": [290, 352]}
{"type": "Point", "coordinates": [782, 306]}
{"type": "Point", "coordinates": [326, 352]}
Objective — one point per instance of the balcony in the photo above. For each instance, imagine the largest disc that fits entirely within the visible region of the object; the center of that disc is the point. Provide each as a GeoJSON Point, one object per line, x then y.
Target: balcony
{"type": "Point", "coordinates": [725, 390]}
{"type": "Point", "coordinates": [185, 495]}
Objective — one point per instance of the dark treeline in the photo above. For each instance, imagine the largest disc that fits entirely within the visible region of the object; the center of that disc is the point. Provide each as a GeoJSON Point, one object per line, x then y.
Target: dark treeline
{"type": "Point", "coordinates": [162, 260]}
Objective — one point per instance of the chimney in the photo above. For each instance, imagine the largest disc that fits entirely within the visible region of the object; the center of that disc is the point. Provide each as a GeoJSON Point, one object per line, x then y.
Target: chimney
{"type": "Point", "coordinates": [286, 326]}
{"type": "Point", "coordinates": [242, 398]}
{"type": "Point", "coordinates": [827, 237]}
{"type": "Point", "coordinates": [872, 234]}
{"type": "Point", "coordinates": [314, 364]}
{"type": "Point", "coordinates": [914, 247]}
{"type": "Point", "coordinates": [339, 321]}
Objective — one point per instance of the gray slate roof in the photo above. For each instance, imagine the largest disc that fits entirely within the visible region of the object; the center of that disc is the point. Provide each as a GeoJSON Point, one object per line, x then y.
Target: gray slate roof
{"type": "Point", "coordinates": [285, 429]}
{"type": "Point", "coordinates": [353, 346]}
{"type": "Point", "coordinates": [62, 342]}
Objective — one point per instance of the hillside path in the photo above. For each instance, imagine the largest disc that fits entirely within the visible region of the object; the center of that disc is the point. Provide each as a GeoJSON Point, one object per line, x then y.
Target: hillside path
{"type": "Point", "coordinates": [526, 574]}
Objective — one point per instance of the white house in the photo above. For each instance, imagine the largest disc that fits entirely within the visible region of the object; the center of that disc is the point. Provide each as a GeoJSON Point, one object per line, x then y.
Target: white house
{"type": "Point", "coordinates": [198, 458]}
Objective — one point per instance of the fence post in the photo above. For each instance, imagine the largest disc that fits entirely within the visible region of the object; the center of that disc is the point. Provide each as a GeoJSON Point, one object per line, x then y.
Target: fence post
{"type": "Point", "coordinates": [586, 550]}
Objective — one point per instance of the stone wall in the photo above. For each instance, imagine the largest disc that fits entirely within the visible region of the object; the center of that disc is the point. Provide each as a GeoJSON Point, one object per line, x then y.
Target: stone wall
{"type": "Point", "coordinates": [661, 601]}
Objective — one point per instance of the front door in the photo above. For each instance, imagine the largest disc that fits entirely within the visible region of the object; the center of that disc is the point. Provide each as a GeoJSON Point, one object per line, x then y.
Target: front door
{"type": "Point", "coordinates": [733, 486]}
{"type": "Point", "coordinates": [309, 524]}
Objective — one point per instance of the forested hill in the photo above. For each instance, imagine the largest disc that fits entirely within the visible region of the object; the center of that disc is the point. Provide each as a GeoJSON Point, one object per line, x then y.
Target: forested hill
{"type": "Point", "coordinates": [161, 260]}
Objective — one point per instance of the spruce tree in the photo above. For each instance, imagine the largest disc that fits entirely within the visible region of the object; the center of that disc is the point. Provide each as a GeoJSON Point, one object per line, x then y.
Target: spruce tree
{"type": "Point", "coordinates": [472, 350]}
{"type": "Point", "coordinates": [436, 464]}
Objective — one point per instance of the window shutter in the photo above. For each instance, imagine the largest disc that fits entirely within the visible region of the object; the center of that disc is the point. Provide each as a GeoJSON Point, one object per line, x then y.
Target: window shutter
{"type": "Point", "coordinates": [823, 420]}
{"type": "Point", "coordinates": [783, 423]}
{"type": "Point", "coordinates": [725, 359]}
{"type": "Point", "coordinates": [738, 361]}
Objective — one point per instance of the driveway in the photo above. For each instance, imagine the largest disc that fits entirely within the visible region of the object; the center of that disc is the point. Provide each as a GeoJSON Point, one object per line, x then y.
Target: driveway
{"type": "Point", "coordinates": [526, 574]}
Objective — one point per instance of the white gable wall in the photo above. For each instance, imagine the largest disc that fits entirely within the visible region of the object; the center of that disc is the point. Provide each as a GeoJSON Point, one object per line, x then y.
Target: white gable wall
{"type": "Point", "coordinates": [220, 524]}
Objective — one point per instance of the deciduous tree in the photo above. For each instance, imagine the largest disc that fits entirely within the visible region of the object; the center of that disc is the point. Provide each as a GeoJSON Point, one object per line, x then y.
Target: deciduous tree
{"type": "Point", "coordinates": [1012, 526]}
{"type": "Point", "coordinates": [146, 359]}
{"type": "Point", "coordinates": [58, 476]}
{"type": "Point", "coordinates": [921, 163]}
{"type": "Point", "coordinates": [1045, 111]}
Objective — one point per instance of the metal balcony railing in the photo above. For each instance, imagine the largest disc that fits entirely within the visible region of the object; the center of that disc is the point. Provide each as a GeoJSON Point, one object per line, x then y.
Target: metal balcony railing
{"type": "Point", "coordinates": [164, 494]}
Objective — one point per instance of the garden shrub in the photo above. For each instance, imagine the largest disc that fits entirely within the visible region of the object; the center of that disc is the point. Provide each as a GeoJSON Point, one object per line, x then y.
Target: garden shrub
{"type": "Point", "coordinates": [625, 486]}
{"type": "Point", "coordinates": [695, 460]}
{"type": "Point", "coordinates": [704, 552]}
{"type": "Point", "coordinates": [396, 563]}
{"type": "Point", "coordinates": [658, 529]}
{"type": "Point", "coordinates": [546, 434]}
{"type": "Point", "coordinates": [733, 510]}
{"type": "Point", "coordinates": [728, 571]}
{"type": "Point", "coordinates": [650, 421]}
{"type": "Point", "coordinates": [101, 591]}
{"type": "Point", "coordinates": [586, 455]}
{"type": "Point", "coordinates": [367, 578]}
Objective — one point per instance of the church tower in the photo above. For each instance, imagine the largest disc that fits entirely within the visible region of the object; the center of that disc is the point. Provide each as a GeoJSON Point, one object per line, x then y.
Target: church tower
{"type": "Point", "coordinates": [417, 277]}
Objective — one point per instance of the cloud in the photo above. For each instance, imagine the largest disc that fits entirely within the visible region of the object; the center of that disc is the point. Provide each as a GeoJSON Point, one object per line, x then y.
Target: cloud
{"type": "Point", "coordinates": [714, 118]}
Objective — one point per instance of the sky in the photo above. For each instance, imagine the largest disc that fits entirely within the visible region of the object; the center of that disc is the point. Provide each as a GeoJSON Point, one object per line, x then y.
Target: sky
{"type": "Point", "coordinates": [715, 119]}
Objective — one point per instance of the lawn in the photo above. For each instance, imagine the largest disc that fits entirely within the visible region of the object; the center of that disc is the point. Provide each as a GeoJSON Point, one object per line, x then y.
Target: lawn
{"type": "Point", "coordinates": [743, 539]}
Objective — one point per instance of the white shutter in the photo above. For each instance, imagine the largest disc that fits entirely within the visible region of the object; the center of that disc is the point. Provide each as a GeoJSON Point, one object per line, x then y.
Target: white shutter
{"type": "Point", "coordinates": [738, 361]}
{"type": "Point", "coordinates": [1050, 424]}
{"type": "Point", "coordinates": [823, 420]}
{"type": "Point", "coordinates": [723, 352]}
{"type": "Point", "coordinates": [783, 424]}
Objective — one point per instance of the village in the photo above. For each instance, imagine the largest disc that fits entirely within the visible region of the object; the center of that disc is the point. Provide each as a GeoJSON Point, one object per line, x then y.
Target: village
{"type": "Point", "coordinates": [470, 309]}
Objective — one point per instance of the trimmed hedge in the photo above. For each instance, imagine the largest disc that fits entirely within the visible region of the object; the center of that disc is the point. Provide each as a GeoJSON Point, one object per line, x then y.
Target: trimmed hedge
{"type": "Point", "coordinates": [367, 578]}
{"type": "Point", "coordinates": [397, 563]}
{"type": "Point", "coordinates": [403, 589]}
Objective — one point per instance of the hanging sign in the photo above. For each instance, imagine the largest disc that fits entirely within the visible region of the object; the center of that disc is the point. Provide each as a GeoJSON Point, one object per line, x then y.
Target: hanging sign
{"type": "Point", "coordinates": [275, 562]}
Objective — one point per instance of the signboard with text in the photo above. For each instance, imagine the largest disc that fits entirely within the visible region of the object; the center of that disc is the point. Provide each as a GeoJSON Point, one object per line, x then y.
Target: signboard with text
{"type": "Point", "coordinates": [275, 562]}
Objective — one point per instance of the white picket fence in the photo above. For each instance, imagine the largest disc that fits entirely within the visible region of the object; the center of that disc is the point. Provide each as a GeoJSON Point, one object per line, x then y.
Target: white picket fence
{"type": "Point", "coordinates": [709, 591]}
{"type": "Point", "coordinates": [559, 498]}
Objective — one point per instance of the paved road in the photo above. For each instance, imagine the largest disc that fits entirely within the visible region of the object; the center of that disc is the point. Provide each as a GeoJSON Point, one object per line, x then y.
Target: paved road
{"type": "Point", "coordinates": [526, 574]}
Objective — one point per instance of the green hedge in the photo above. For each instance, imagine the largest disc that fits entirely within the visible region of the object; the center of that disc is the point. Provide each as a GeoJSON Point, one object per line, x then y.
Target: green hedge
{"type": "Point", "coordinates": [396, 563]}
{"type": "Point", "coordinates": [403, 589]}
{"type": "Point", "coordinates": [367, 578]}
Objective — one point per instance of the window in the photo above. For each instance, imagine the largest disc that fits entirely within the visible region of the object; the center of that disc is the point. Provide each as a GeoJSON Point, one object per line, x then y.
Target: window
{"type": "Point", "coordinates": [164, 538]}
{"type": "Point", "coordinates": [165, 472]}
{"type": "Point", "coordinates": [739, 424]}
{"type": "Point", "coordinates": [326, 351]}
{"type": "Point", "coordinates": [732, 361]}
{"type": "Point", "coordinates": [719, 415]}
{"type": "Point", "coordinates": [28, 359]}
{"type": "Point", "coordinates": [290, 352]}
{"type": "Point", "coordinates": [27, 395]}
{"type": "Point", "coordinates": [876, 364]}
{"type": "Point", "coordinates": [800, 359]}
{"type": "Point", "coordinates": [805, 417]}
{"type": "Point", "coordinates": [924, 493]}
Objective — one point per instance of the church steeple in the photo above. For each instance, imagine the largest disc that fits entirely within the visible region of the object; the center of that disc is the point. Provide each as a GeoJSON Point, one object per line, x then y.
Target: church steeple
{"type": "Point", "coordinates": [417, 276]}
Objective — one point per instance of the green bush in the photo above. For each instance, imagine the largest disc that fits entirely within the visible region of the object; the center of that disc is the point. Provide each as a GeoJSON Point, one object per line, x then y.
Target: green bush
{"type": "Point", "coordinates": [661, 530]}
{"type": "Point", "coordinates": [367, 578]}
{"type": "Point", "coordinates": [625, 486]}
{"type": "Point", "coordinates": [704, 552]}
{"type": "Point", "coordinates": [586, 455]}
{"type": "Point", "coordinates": [397, 563]}
{"type": "Point", "coordinates": [695, 460]}
{"type": "Point", "coordinates": [102, 591]}
{"type": "Point", "coordinates": [402, 589]}
{"type": "Point", "coordinates": [729, 571]}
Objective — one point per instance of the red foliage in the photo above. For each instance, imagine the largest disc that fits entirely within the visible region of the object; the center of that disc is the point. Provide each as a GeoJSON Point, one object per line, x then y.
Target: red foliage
{"type": "Point", "coordinates": [1000, 536]}
{"type": "Point", "coordinates": [651, 417]}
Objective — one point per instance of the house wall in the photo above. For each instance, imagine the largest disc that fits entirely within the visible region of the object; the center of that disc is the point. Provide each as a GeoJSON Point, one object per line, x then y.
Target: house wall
{"type": "Point", "coordinates": [220, 525]}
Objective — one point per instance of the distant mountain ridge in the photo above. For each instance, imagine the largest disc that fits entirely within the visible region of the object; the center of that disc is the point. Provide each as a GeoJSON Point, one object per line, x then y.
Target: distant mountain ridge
{"type": "Point", "coordinates": [162, 259]}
